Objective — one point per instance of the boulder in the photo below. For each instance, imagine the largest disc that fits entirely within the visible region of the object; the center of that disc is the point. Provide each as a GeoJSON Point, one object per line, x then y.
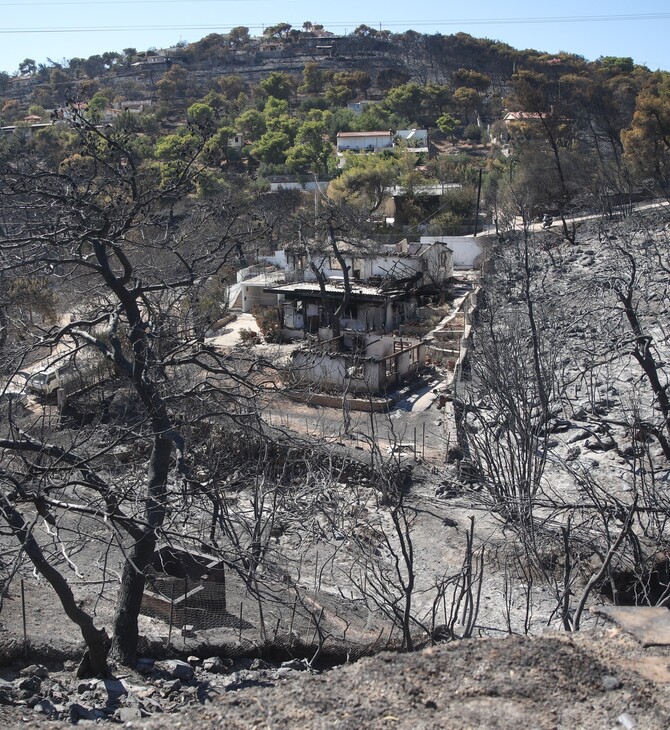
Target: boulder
{"type": "Point", "coordinates": [35, 670]}
{"type": "Point", "coordinates": [259, 664]}
{"type": "Point", "coordinates": [128, 714]}
{"type": "Point", "coordinates": [113, 688]}
{"type": "Point", "coordinates": [85, 686]}
{"type": "Point", "coordinates": [176, 669]}
{"type": "Point", "coordinates": [170, 687]}
{"type": "Point", "coordinates": [79, 712]}
{"type": "Point", "coordinates": [216, 665]}
{"type": "Point", "coordinates": [45, 707]}
{"type": "Point", "coordinates": [298, 665]}
{"type": "Point", "coordinates": [603, 444]}
{"type": "Point", "coordinates": [29, 684]}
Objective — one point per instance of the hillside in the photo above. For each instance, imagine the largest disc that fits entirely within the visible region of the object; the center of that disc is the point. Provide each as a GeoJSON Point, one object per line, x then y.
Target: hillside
{"type": "Point", "coordinates": [571, 135]}
{"type": "Point", "coordinates": [411, 55]}
{"type": "Point", "coordinates": [399, 450]}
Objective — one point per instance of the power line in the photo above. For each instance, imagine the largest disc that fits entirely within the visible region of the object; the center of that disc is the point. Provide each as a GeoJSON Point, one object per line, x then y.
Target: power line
{"type": "Point", "coordinates": [394, 23]}
{"type": "Point", "coordinates": [89, 3]}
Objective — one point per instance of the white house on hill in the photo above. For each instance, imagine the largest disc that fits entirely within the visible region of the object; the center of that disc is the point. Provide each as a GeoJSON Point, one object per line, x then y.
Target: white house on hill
{"type": "Point", "coordinates": [364, 141]}
{"type": "Point", "coordinates": [414, 139]}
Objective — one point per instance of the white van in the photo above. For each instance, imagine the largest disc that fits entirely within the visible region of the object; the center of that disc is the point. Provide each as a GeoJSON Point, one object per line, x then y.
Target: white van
{"type": "Point", "coordinates": [48, 381]}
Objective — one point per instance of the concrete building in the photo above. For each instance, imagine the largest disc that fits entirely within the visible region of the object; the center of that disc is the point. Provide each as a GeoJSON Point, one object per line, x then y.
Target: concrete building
{"type": "Point", "coordinates": [364, 364]}
{"type": "Point", "coordinates": [364, 141]}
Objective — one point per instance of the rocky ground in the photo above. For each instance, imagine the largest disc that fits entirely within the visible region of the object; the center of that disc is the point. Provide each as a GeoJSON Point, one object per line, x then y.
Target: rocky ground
{"type": "Point", "coordinates": [597, 679]}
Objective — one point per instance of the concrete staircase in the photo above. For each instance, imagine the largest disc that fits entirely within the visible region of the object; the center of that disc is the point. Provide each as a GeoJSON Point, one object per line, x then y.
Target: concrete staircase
{"type": "Point", "coordinates": [235, 298]}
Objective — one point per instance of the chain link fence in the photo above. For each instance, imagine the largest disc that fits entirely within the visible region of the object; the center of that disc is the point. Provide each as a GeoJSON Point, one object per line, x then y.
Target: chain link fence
{"type": "Point", "coordinates": [245, 611]}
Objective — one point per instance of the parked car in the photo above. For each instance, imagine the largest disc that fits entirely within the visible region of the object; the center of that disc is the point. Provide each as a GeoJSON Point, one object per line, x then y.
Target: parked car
{"type": "Point", "coordinates": [49, 380]}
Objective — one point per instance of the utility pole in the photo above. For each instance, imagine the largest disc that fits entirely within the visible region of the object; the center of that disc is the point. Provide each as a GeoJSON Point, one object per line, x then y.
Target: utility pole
{"type": "Point", "coordinates": [479, 197]}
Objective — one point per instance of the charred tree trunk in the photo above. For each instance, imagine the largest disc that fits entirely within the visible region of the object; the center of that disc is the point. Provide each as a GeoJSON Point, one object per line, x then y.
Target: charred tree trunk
{"type": "Point", "coordinates": [344, 304]}
{"type": "Point", "coordinates": [96, 639]}
{"type": "Point", "coordinates": [642, 352]}
{"type": "Point", "coordinates": [644, 357]}
{"type": "Point", "coordinates": [4, 327]}
{"type": "Point", "coordinates": [535, 337]}
{"type": "Point", "coordinates": [568, 231]}
{"type": "Point", "coordinates": [129, 601]}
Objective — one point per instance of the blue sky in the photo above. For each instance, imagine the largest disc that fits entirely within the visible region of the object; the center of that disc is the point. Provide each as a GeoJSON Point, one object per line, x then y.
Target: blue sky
{"type": "Point", "coordinates": [57, 29]}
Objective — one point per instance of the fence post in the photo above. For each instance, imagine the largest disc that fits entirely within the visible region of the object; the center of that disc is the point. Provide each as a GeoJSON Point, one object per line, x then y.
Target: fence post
{"type": "Point", "coordinates": [185, 601]}
{"type": "Point", "coordinates": [169, 639]}
{"type": "Point", "coordinates": [317, 624]}
{"type": "Point", "coordinates": [23, 615]}
{"type": "Point", "coordinates": [290, 628]}
{"type": "Point", "coordinates": [185, 622]}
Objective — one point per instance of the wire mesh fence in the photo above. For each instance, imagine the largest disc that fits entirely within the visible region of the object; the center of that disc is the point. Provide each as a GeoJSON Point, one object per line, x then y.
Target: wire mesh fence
{"type": "Point", "coordinates": [226, 618]}
{"type": "Point", "coordinates": [242, 612]}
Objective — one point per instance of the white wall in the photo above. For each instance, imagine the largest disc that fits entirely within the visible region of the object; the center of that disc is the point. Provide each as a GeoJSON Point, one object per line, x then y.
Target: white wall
{"type": "Point", "coordinates": [293, 320]}
{"type": "Point", "coordinates": [377, 142]}
{"type": "Point", "coordinates": [415, 137]}
{"type": "Point", "coordinates": [277, 259]}
{"type": "Point", "coordinates": [308, 185]}
{"type": "Point", "coordinates": [331, 371]}
{"type": "Point", "coordinates": [434, 257]}
{"type": "Point", "coordinates": [466, 249]}
{"type": "Point", "coordinates": [381, 266]}
{"type": "Point", "coordinates": [254, 296]}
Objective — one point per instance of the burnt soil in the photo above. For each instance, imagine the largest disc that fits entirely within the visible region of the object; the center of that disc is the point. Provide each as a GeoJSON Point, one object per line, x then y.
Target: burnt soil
{"type": "Point", "coordinates": [601, 678]}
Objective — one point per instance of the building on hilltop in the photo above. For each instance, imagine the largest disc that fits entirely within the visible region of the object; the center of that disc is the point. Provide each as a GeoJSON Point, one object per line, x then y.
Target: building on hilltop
{"type": "Point", "coordinates": [364, 141]}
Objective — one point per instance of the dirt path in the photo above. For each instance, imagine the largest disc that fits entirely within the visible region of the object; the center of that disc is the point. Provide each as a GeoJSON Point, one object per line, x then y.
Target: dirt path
{"type": "Point", "coordinates": [230, 335]}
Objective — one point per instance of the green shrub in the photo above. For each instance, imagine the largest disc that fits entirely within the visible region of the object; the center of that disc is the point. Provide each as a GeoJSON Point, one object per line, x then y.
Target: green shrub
{"type": "Point", "coordinates": [473, 133]}
{"type": "Point", "coordinates": [249, 337]}
{"type": "Point", "coordinates": [269, 323]}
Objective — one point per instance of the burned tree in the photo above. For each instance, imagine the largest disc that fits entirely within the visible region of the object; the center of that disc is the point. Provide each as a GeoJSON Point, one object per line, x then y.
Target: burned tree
{"type": "Point", "coordinates": [509, 400]}
{"type": "Point", "coordinates": [123, 255]}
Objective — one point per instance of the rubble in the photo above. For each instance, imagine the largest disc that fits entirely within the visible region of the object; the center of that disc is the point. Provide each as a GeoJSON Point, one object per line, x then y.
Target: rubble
{"type": "Point", "coordinates": [157, 687]}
